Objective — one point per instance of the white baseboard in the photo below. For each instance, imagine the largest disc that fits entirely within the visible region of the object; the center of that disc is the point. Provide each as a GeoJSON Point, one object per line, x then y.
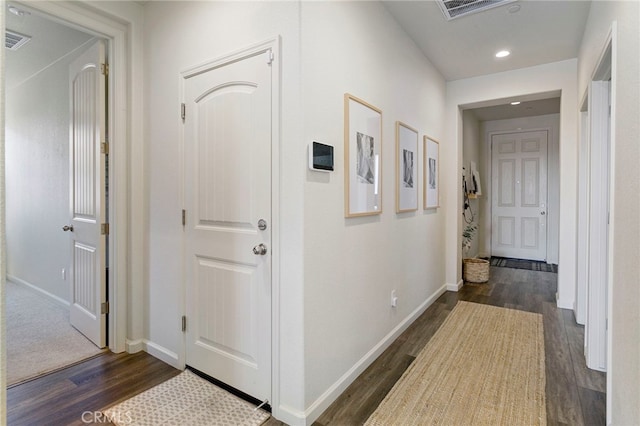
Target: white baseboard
{"type": "Point", "coordinates": [37, 289]}
{"type": "Point", "coordinates": [326, 399]}
{"type": "Point", "coordinates": [455, 287]}
{"type": "Point", "coordinates": [162, 353]}
{"type": "Point", "coordinates": [133, 346]}
{"type": "Point", "coordinates": [564, 304]}
{"type": "Point", "coordinates": [289, 416]}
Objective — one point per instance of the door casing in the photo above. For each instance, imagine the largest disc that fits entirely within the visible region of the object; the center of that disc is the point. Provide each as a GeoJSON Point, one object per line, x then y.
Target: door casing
{"type": "Point", "coordinates": [121, 39]}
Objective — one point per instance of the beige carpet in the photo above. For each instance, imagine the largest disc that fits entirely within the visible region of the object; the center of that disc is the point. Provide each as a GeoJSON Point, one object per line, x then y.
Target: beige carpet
{"type": "Point", "coordinates": [186, 400]}
{"type": "Point", "coordinates": [484, 366]}
{"type": "Point", "coordinates": [39, 336]}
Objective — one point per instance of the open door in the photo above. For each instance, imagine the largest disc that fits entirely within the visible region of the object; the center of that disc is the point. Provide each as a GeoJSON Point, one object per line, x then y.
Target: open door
{"type": "Point", "coordinates": [88, 228]}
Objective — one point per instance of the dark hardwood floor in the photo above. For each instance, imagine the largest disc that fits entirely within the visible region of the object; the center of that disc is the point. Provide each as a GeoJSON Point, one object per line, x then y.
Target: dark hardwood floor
{"type": "Point", "coordinates": [71, 396]}
{"type": "Point", "coordinates": [575, 395]}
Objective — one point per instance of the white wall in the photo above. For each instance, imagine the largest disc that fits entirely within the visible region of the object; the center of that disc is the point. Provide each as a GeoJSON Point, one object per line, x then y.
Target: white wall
{"type": "Point", "coordinates": [336, 274]}
{"type": "Point", "coordinates": [352, 265]}
{"type": "Point", "coordinates": [179, 35]}
{"type": "Point", "coordinates": [473, 150]}
{"type": "Point", "coordinates": [3, 264]}
{"type": "Point", "coordinates": [549, 122]}
{"type": "Point", "coordinates": [477, 91]}
{"type": "Point", "coordinates": [37, 173]}
{"type": "Point", "coordinates": [623, 369]}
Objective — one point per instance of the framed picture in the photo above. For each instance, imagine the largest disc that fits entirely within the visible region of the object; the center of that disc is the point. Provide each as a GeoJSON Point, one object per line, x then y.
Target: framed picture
{"type": "Point", "coordinates": [406, 168]}
{"type": "Point", "coordinates": [431, 173]}
{"type": "Point", "coordinates": [363, 157]}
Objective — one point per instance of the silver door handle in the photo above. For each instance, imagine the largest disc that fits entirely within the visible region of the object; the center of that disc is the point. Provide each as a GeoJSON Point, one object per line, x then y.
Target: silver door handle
{"type": "Point", "coordinates": [260, 250]}
{"type": "Point", "coordinates": [67, 228]}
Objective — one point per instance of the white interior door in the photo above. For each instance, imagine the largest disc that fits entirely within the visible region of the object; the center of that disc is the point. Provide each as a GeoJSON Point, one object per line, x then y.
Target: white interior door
{"type": "Point", "coordinates": [88, 204]}
{"type": "Point", "coordinates": [228, 134]}
{"type": "Point", "coordinates": [519, 195]}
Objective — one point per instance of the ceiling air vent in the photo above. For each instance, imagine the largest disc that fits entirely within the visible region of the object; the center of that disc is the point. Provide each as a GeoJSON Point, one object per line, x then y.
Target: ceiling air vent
{"type": "Point", "coordinates": [456, 8]}
{"type": "Point", "coordinates": [13, 40]}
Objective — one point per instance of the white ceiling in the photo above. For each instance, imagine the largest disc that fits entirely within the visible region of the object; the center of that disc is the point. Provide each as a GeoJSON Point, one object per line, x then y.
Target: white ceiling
{"type": "Point", "coordinates": [524, 109]}
{"type": "Point", "coordinates": [50, 41]}
{"type": "Point", "coordinates": [541, 32]}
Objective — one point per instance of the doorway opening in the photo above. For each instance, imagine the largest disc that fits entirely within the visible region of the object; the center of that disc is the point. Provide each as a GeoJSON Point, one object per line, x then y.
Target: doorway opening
{"type": "Point", "coordinates": [511, 178]}
{"type": "Point", "coordinates": [41, 265]}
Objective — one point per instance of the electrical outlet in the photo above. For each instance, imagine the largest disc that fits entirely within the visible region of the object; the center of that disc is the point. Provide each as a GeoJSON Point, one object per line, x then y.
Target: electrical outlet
{"type": "Point", "coordinates": [394, 299]}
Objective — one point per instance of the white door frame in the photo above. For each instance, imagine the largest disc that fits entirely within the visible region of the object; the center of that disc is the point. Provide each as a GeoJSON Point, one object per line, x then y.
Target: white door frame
{"type": "Point", "coordinates": [121, 113]}
{"type": "Point", "coordinates": [274, 44]}
{"type": "Point", "coordinates": [582, 255]}
{"type": "Point", "coordinates": [601, 116]}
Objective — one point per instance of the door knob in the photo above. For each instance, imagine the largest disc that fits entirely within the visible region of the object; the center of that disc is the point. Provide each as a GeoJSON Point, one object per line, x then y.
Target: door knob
{"type": "Point", "coordinates": [67, 228]}
{"type": "Point", "coordinates": [260, 250]}
{"type": "Point", "coordinates": [543, 213]}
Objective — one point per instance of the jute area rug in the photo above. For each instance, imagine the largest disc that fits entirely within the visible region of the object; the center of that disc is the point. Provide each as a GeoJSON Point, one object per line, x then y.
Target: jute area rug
{"type": "Point", "coordinates": [484, 366]}
{"type": "Point", "coordinates": [186, 399]}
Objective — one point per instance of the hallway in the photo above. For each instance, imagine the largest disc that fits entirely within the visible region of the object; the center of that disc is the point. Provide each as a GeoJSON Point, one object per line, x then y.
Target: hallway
{"type": "Point", "coordinates": [574, 394]}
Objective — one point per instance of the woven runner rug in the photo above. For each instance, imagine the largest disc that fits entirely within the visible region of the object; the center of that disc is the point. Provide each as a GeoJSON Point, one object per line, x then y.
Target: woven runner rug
{"type": "Point", "coordinates": [484, 366]}
{"type": "Point", "coordinates": [531, 265]}
{"type": "Point", "coordinates": [186, 399]}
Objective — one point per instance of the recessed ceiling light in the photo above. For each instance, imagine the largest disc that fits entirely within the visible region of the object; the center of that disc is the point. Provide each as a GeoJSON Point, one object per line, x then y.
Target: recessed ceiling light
{"type": "Point", "coordinates": [514, 8]}
{"type": "Point", "coordinates": [515, 103]}
{"type": "Point", "coordinates": [503, 53]}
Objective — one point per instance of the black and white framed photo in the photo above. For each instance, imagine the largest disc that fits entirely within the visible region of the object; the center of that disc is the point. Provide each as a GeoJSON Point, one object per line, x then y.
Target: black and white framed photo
{"type": "Point", "coordinates": [431, 173]}
{"type": "Point", "coordinates": [363, 159]}
{"type": "Point", "coordinates": [406, 168]}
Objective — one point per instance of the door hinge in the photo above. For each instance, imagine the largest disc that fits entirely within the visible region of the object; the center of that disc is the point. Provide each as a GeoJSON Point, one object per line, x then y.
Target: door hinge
{"type": "Point", "coordinates": [104, 148]}
{"type": "Point", "coordinates": [184, 217]}
{"type": "Point", "coordinates": [184, 323]}
{"type": "Point", "coordinates": [270, 57]}
{"type": "Point", "coordinates": [104, 69]}
{"type": "Point", "coordinates": [183, 111]}
{"type": "Point", "coordinates": [104, 308]}
{"type": "Point", "coordinates": [104, 229]}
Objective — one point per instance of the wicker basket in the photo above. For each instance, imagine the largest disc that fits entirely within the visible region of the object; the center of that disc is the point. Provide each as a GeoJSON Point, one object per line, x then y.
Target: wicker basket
{"type": "Point", "coordinates": [475, 270]}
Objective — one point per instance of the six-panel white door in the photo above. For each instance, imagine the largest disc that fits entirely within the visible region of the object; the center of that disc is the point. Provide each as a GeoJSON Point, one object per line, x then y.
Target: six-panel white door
{"type": "Point", "coordinates": [88, 203]}
{"type": "Point", "coordinates": [227, 135]}
{"type": "Point", "coordinates": [519, 199]}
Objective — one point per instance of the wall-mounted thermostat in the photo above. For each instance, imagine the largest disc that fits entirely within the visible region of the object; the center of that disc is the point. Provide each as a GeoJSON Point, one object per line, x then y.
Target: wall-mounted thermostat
{"type": "Point", "coordinates": [320, 157]}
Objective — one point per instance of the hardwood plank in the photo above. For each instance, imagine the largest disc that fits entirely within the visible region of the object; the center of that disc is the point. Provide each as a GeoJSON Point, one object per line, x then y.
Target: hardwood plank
{"type": "Point", "coordinates": [563, 402]}
{"type": "Point", "coordinates": [585, 377]}
{"type": "Point", "coordinates": [594, 406]}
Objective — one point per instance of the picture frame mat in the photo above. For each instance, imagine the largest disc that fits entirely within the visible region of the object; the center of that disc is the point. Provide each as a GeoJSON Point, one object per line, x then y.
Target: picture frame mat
{"type": "Point", "coordinates": [363, 187]}
{"type": "Point", "coordinates": [406, 143]}
{"type": "Point", "coordinates": [431, 170]}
